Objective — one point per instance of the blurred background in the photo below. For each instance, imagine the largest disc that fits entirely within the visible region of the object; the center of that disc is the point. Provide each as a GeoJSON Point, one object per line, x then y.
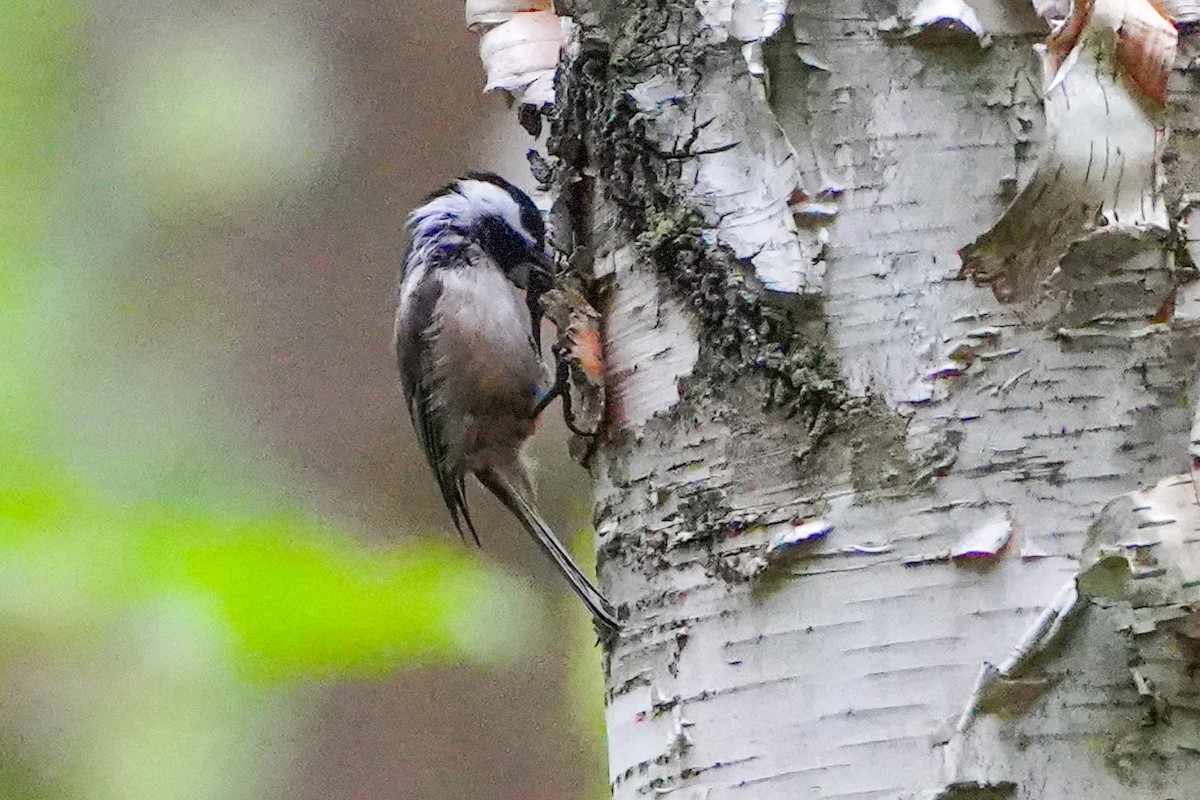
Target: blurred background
{"type": "Point", "coordinates": [224, 569]}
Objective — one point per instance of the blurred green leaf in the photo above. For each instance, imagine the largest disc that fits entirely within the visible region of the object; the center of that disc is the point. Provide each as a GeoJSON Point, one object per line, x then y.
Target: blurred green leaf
{"type": "Point", "coordinates": [304, 602]}
{"type": "Point", "coordinates": [300, 599]}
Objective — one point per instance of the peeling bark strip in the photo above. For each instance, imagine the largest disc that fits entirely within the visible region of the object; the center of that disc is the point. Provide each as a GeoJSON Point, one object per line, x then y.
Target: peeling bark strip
{"type": "Point", "coordinates": [860, 511]}
{"type": "Point", "coordinates": [519, 47]}
{"type": "Point", "coordinates": [1105, 72]}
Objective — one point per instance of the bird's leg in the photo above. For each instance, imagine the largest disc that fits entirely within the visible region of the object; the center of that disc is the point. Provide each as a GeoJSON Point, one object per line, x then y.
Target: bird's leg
{"type": "Point", "coordinates": [561, 388]}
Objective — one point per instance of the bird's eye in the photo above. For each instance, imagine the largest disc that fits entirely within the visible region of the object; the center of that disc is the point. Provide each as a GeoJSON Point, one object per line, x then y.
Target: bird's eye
{"type": "Point", "coordinates": [531, 220]}
{"type": "Point", "coordinates": [506, 246]}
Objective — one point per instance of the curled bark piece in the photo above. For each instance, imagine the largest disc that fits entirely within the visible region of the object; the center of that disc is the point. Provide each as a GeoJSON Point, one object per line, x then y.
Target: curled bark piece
{"type": "Point", "coordinates": [788, 541]}
{"type": "Point", "coordinates": [1052, 9]}
{"type": "Point", "coordinates": [942, 20]}
{"type": "Point", "coordinates": [985, 542]}
{"type": "Point", "coordinates": [1146, 540]}
{"type": "Point", "coordinates": [749, 21]}
{"type": "Point", "coordinates": [521, 54]}
{"type": "Point", "coordinates": [1146, 41]}
{"type": "Point", "coordinates": [1004, 688]}
{"type": "Point", "coordinates": [744, 20]}
{"type": "Point", "coordinates": [1105, 75]}
{"type": "Point", "coordinates": [483, 14]}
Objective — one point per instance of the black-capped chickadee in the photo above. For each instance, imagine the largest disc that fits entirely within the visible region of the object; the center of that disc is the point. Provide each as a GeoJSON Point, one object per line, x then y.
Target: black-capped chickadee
{"type": "Point", "coordinates": [467, 342]}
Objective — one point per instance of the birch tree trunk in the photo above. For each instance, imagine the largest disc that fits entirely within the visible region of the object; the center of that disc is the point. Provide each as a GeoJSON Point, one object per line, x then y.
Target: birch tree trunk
{"type": "Point", "coordinates": [895, 483]}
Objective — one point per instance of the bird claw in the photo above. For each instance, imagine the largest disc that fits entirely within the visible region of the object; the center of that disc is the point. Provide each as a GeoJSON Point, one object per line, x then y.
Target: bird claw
{"type": "Point", "coordinates": [562, 388]}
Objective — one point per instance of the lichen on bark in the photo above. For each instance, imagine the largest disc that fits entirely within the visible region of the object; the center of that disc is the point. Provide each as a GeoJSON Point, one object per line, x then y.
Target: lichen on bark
{"type": "Point", "coordinates": [597, 130]}
{"type": "Point", "coordinates": [740, 328]}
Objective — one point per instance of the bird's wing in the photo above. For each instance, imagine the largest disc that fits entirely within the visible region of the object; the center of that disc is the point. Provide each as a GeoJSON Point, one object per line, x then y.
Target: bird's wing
{"type": "Point", "coordinates": [413, 321]}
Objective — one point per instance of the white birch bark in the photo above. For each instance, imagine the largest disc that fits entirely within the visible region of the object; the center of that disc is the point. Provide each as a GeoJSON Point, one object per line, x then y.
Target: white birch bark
{"type": "Point", "coordinates": [900, 327]}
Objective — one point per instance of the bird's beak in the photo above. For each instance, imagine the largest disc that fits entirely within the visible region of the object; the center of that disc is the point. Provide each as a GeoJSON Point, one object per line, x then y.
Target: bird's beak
{"type": "Point", "coordinates": [541, 272]}
{"type": "Point", "coordinates": [539, 281]}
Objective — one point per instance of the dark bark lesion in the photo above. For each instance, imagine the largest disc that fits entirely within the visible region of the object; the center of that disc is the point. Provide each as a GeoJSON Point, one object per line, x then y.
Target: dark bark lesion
{"type": "Point", "coordinates": [597, 130]}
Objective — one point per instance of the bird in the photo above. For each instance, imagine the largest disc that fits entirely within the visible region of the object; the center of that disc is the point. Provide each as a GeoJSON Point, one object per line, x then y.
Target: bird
{"type": "Point", "coordinates": [468, 347]}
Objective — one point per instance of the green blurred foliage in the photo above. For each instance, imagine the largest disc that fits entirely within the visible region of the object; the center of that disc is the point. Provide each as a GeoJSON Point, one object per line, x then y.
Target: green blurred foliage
{"type": "Point", "coordinates": [146, 642]}
{"type": "Point", "coordinates": [299, 599]}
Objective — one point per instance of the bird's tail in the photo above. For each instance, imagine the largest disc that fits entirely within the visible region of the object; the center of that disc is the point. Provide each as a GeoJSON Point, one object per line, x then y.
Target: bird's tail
{"type": "Point", "coordinates": [602, 611]}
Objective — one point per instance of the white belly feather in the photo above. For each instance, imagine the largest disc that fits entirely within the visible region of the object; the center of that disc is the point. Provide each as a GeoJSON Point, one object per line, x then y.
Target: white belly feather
{"type": "Point", "coordinates": [485, 369]}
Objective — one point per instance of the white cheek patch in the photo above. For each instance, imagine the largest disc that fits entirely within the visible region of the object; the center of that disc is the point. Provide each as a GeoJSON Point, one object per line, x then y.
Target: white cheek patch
{"type": "Point", "coordinates": [489, 200]}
